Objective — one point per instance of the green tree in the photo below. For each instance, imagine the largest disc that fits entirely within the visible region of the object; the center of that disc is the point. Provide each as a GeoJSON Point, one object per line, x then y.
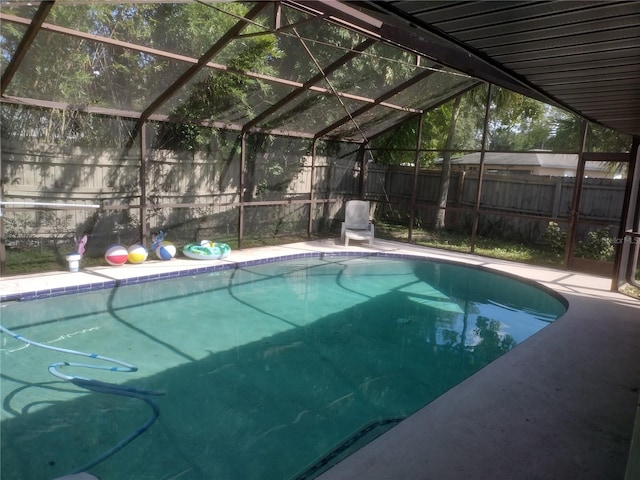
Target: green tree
{"type": "Point", "coordinates": [567, 131]}
{"type": "Point", "coordinates": [516, 122]}
{"type": "Point", "coordinates": [465, 108]}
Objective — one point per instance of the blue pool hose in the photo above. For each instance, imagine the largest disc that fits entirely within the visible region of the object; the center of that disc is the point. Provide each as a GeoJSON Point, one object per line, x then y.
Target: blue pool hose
{"type": "Point", "coordinates": [100, 387]}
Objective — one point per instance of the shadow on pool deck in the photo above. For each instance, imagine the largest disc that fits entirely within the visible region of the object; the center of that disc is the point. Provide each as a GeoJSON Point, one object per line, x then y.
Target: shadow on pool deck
{"type": "Point", "coordinates": [559, 406]}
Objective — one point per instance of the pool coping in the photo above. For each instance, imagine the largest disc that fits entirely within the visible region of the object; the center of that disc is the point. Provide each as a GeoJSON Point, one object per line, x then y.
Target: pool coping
{"type": "Point", "coordinates": [577, 406]}
{"type": "Point", "coordinates": [186, 270]}
{"type": "Point", "coordinates": [51, 284]}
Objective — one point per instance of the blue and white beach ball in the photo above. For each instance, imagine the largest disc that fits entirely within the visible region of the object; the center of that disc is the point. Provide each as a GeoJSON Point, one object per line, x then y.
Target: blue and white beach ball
{"type": "Point", "coordinates": [116, 255]}
{"type": "Point", "coordinates": [137, 253]}
{"type": "Point", "coordinates": [165, 251]}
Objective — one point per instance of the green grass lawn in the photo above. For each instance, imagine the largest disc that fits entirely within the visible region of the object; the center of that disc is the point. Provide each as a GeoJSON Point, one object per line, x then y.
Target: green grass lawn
{"type": "Point", "coordinates": [489, 247]}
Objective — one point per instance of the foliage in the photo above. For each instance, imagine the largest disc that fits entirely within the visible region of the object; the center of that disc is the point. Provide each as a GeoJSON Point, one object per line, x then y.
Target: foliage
{"type": "Point", "coordinates": [516, 122]}
{"type": "Point", "coordinates": [17, 230]}
{"type": "Point", "coordinates": [602, 139]}
{"type": "Point", "coordinates": [596, 245]}
{"type": "Point", "coordinates": [22, 230]}
{"type": "Point", "coordinates": [567, 130]}
{"type": "Point", "coordinates": [107, 75]}
{"type": "Point", "coordinates": [555, 237]}
{"type": "Point", "coordinates": [397, 146]}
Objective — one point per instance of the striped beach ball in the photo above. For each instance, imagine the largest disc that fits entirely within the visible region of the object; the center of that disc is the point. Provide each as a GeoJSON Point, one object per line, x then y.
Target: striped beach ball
{"type": "Point", "coordinates": [137, 253]}
{"type": "Point", "coordinates": [165, 251]}
{"type": "Point", "coordinates": [116, 255]}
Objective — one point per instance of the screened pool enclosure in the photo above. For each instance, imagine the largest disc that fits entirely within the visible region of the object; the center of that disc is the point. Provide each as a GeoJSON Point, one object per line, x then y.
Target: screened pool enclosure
{"type": "Point", "coordinates": [253, 122]}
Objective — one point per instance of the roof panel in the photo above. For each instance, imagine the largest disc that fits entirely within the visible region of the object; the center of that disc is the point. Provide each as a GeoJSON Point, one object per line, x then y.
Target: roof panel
{"type": "Point", "coordinates": [542, 44]}
{"type": "Point", "coordinates": [375, 120]}
{"type": "Point", "coordinates": [302, 114]}
{"type": "Point", "coordinates": [432, 90]}
{"type": "Point", "coordinates": [530, 16]}
{"type": "Point", "coordinates": [234, 106]}
{"type": "Point", "coordinates": [392, 68]}
{"type": "Point", "coordinates": [510, 55]}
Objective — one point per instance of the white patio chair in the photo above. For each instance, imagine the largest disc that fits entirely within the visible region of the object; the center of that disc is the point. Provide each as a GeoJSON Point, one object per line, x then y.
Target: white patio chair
{"type": "Point", "coordinates": [356, 223]}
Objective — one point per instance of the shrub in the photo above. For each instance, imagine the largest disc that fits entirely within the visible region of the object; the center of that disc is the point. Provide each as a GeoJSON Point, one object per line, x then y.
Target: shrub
{"type": "Point", "coordinates": [596, 245]}
{"type": "Point", "coordinates": [555, 237]}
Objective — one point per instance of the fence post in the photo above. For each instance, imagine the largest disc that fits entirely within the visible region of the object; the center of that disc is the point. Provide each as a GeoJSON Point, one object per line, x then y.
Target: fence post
{"type": "Point", "coordinates": [461, 177]}
{"type": "Point", "coordinates": [557, 195]}
{"type": "Point", "coordinates": [416, 171]}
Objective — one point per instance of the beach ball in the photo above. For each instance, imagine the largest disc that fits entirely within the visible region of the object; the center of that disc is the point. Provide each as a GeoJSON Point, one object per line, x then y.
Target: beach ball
{"type": "Point", "coordinates": [116, 255]}
{"type": "Point", "coordinates": [137, 253]}
{"type": "Point", "coordinates": [165, 251]}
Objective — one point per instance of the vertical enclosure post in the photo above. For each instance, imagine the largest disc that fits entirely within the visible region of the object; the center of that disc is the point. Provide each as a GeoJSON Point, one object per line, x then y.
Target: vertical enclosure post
{"type": "Point", "coordinates": [243, 149]}
{"type": "Point", "coordinates": [416, 171]}
{"type": "Point", "coordinates": [483, 149]}
{"type": "Point", "coordinates": [634, 235]}
{"type": "Point", "coordinates": [312, 204]}
{"type": "Point", "coordinates": [627, 246]}
{"type": "Point", "coordinates": [143, 184]}
{"type": "Point", "coordinates": [363, 165]}
{"type": "Point", "coordinates": [3, 250]}
{"type": "Point", "coordinates": [577, 194]}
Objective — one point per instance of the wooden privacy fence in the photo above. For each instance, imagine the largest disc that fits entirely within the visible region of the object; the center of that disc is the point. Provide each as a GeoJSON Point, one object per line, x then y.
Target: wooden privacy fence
{"type": "Point", "coordinates": [278, 192]}
{"type": "Point", "coordinates": [280, 189]}
{"type": "Point", "coordinates": [529, 199]}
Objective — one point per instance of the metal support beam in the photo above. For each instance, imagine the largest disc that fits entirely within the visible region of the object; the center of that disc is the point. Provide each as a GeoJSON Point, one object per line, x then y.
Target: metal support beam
{"type": "Point", "coordinates": [628, 246]}
{"type": "Point", "coordinates": [485, 135]}
{"type": "Point", "coordinates": [577, 195]}
{"type": "Point", "coordinates": [3, 246]}
{"type": "Point", "coordinates": [312, 204]}
{"type": "Point", "coordinates": [241, 187]}
{"type": "Point", "coordinates": [143, 185]}
{"type": "Point", "coordinates": [416, 171]}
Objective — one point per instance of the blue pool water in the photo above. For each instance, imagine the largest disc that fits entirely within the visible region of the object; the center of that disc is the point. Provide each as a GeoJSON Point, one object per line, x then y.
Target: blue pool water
{"type": "Point", "coordinates": [270, 371]}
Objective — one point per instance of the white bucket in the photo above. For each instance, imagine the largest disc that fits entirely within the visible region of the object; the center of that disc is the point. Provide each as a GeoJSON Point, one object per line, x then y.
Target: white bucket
{"type": "Point", "coordinates": [74, 261]}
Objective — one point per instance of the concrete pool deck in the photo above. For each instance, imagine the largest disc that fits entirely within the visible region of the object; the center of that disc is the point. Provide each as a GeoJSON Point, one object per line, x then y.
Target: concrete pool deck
{"type": "Point", "coordinates": [559, 406]}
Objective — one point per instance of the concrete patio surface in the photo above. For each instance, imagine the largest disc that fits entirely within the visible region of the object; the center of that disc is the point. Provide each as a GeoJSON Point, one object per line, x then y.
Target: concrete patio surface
{"type": "Point", "coordinates": [559, 406]}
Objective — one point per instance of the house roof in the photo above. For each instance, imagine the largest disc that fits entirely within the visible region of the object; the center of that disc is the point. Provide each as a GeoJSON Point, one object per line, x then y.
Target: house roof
{"type": "Point", "coordinates": [521, 159]}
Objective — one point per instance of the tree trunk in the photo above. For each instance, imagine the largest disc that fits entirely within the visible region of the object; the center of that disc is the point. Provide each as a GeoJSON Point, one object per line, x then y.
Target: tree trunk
{"type": "Point", "coordinates": [445, 174]}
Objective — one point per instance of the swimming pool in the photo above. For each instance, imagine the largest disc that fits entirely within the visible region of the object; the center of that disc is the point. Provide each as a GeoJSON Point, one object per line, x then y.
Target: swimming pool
{"type": "Point", "coordinates": [269, 371]}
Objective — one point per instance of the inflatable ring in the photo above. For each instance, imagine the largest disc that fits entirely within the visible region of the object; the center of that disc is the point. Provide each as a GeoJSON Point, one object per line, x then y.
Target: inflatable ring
{"type": "Point", "coordinates": [206, 250]}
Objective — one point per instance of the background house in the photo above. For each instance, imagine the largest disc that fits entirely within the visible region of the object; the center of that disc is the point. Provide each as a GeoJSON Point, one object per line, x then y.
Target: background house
{"type": "Point", "coordinates": [530, 163]}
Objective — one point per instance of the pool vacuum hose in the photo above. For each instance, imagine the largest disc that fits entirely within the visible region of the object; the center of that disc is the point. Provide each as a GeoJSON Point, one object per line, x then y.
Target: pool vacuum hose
{"type": "Point", "coordinates": [100, 387]}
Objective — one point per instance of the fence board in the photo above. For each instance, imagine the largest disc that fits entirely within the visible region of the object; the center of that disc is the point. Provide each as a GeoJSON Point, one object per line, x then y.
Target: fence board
{"type": "Point", "coordinates": [534, 195]}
